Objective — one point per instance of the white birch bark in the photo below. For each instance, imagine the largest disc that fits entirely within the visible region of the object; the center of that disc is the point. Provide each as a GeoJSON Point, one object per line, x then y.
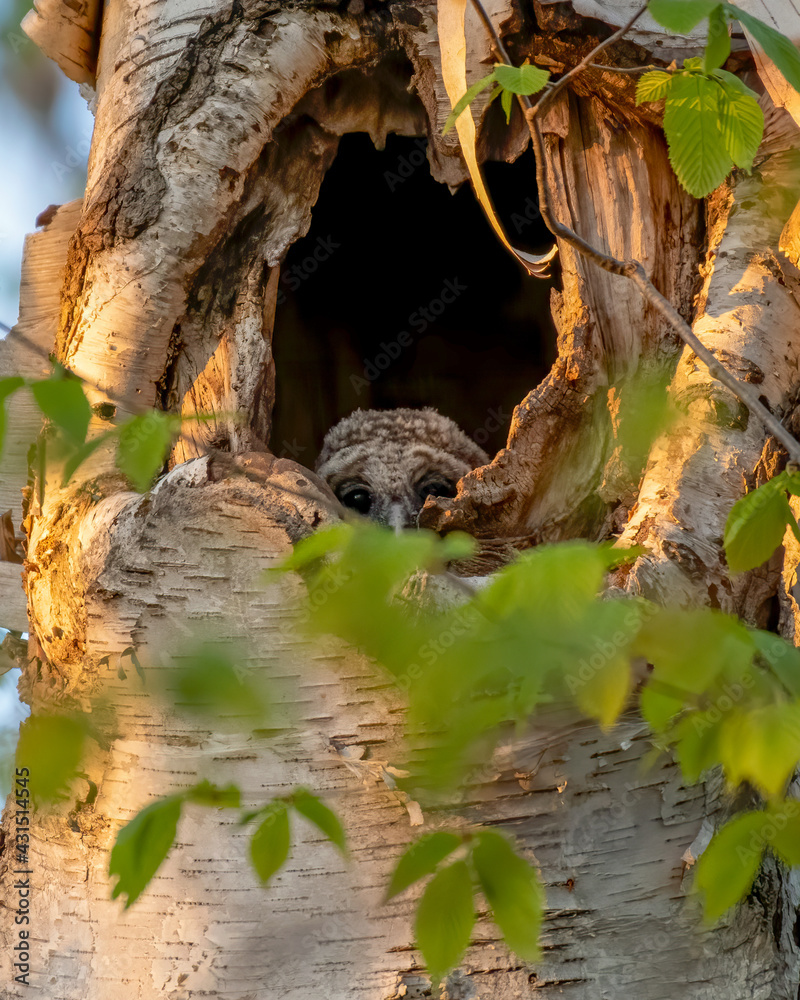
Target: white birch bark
{"type": "Point", "coordinates": [200, 138]}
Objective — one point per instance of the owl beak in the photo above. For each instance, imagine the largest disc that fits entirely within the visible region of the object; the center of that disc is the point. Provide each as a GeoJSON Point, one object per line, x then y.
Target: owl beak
{"type": "Point", "coordinates": [397, 517]}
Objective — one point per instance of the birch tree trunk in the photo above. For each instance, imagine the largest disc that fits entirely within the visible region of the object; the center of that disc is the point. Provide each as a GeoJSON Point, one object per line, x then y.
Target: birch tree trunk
{"type": "Point", "coordinates": [214, 128]}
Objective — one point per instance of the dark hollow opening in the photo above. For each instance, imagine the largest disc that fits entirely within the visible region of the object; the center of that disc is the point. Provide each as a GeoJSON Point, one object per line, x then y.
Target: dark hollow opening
{"type": "Point", "coordinates": [401, 295]}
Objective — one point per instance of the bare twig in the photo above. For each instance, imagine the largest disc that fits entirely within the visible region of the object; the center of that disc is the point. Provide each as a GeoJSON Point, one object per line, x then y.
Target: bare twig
{"type": "Point", "coordinates": [627, 69]}
{"type": "Point", "coordinates": [587, 60]}
{"type": "Point", "coordinates": [631, 268]}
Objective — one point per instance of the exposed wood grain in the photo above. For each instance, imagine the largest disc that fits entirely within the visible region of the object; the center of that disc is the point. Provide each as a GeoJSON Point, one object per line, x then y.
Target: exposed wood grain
{"type": "Point", "coordinates": [68, 32]}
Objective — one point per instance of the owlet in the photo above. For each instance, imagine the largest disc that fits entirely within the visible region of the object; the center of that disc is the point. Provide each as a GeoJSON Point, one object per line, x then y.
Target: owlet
{"type": "Point", "coordinates": [385, 463]}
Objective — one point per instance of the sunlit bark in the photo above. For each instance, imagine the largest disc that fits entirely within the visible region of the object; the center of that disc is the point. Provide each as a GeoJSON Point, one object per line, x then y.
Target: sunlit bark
{"type": "Point", "coordinates": [214, 130]}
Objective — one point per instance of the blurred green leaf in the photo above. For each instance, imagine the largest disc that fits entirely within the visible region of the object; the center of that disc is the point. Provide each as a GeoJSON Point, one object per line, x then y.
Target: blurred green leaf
{"type": "Point", "coordinates": [782, 657]}
{"type": "Point", "coordinates": [680, 16]}
{"type": "Point", "coordinates": [756, 525]}
{"type": "Point", "coordinates": [325, 819]}
{"type": "Point", "coordinates": [513, 891]}
{"type": "Point", "coordinates": [696, 739]}
{"type": "Point", "coordinates": [777, 46]}
{"type": "Point", "coordinates": [269, 845]}
{"type": "Point", "coordinates": [142, 845]}
{"type": "Point", "coordinates": [445, 918]}
{"type": "Point", "coordinates": [7, 387]}
{"type": "Point", "coordinates": [420, 859]}
{"type": "Point", "coordinates": [726, 869]}
{"type": "Point", "coordinates": [209, 681]}
{"type": "Point", "coordinates": [659, 707]}
{"type": "Point", "coordinates": [314, 547]}
{"type": "Point", "coordinates": [207, 794]}
{"type": "Point", "coordinates": [52, 747]}
{"type": "Point", "coordinates": [62, 400]}
{"type": "Point", "coordinates": [144, 444]}
{"type": "Point", "coordinates": [718, 46]}
{"type": "Point", "coordinates": [761, 744]}
{"type": "Point", "coordinates": [600, 680]}
{"type": "Point", "coordinates": [783, 830]}
{"type": "Point", "coordinates": [691, 649]}
{"type": "Point", "coordinates": [79, 455]}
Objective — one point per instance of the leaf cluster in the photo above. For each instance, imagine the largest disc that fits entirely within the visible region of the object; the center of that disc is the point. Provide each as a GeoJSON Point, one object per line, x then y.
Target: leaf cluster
{"type": "Point", "coordinates": [143, 441]}
{"type": "Point", "coordinates": [757, 523]}
{"type": "Point", "coordinates": [446, 912]}
{"type": "Point", "coordinates": [712, 121]}
{"type": "Point", "coordinates": [719, 694]}
{"type": "Point", "coordinates": [144, 843]}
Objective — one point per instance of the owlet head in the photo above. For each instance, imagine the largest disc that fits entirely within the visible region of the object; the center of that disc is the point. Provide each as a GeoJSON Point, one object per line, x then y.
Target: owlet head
{"type": "Point", "coordinates": [386, 463]}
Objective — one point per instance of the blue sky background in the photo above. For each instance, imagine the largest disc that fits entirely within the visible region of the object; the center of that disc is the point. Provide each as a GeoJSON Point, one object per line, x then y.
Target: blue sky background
{"type": "Point", "coordinates": [45, 128]}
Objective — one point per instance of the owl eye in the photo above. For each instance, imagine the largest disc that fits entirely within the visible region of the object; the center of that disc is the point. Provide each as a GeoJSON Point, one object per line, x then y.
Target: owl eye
{"type": "Point", "coordinates": [358, 498]}
{"type": "Point", "coordinates": [437, 488]}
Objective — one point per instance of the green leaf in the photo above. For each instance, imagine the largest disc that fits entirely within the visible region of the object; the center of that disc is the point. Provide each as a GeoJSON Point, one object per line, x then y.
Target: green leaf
{"type": "Point", "coordinates": [445, 918]}
{"type": "Point", "coordinates": [142, 845]}
{"type": "Point", "coordinates": [783, 831]}
{"type": "Point", "coordinates": [457, 545]}
{"type": "Point", "coordinates": [421, 859]}
{"type": "Point", "coordinates": [525, 80]}
{"type": "Point", "coordinates": [742, 125]}
{"type": "Point", "coordinates": [659, 707]}
{"type": "Point", "coordinates": [761, 745]}
{"type": "Point", "coordinates": [269, 846]}
{"type": "Point", "coordinates": [206, 794]}
{"type": "Point", "coordinates": [696, 739]}
{"type": "Point", "coordinates": [62, 400]}
{"type": "Point", "coordinates": [680, 16]}
{"type": "Point", "coordinates": [325, 819]}
{"type": "Point", "coordinates": [144, 443]}
{"type": "Point", "coordinates": [513, 891]}
{"type": "Point", "coordinates": [728, 866]}
{"type": "Point", "coordinates": [756, 526]}
{"type": "Point", "coordinates": [507, 100]}
{"type": "Point", "coordinates": [494, 94]}
{"type": "Point", "coordinates": [208, 681]}
{"type": "Point", "coordinates": [79, 455]}
{"type": "Point", "coordinates": [52, 747]}
{"type": "Point", "coordinates": [782, 658]}
{"type": "Point", "coordinates": [315, 547]}
{"type": "Point", "coordinates": [777, 46]}
{"type": "Point", "coordinates": [7, 386]}
{"type": "Point", "coordinates": [600, 680]}
{"type": "Point", "coordinates": [470, 95]}
{"type": "Point", "coordinates": [691, 124]}
{"type": "Point", "coordinates": [653, 86]}
{"type": "Point", "coordinates": [691, 650]}
{"type": "Point", "coordinates": [791, 481]}
{"type": "Point", "coordinates": [718, 46]}
{"type": "Point", "coordinates": [604, 695]}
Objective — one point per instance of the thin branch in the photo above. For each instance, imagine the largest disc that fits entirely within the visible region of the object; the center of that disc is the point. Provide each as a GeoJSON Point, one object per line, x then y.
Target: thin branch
{"type": "Point", "coordinates": [631, 268]}
{"type": "Point", "coordinates": [587, 60]}
{"type": "Point", "coordinates": [627, 69]}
